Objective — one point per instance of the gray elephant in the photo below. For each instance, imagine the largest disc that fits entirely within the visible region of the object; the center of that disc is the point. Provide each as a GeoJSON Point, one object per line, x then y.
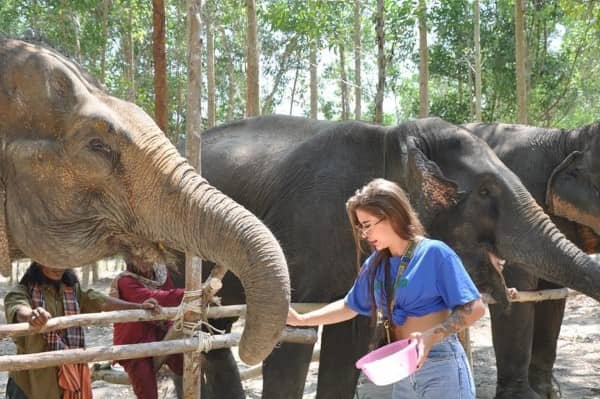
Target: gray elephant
{"type": "Point", "coordinates": [296, 174]}
{"type": "Point", "coordinates": [561, 170]}
{"type": "Point", "coordinates": [85, 175]}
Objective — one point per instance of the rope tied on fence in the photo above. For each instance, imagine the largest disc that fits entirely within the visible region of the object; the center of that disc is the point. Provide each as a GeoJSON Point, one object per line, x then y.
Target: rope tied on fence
{"type": "Point", "coordinates": [193, 302]}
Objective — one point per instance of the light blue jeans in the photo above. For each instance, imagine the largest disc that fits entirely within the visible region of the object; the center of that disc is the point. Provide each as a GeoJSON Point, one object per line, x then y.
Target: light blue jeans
{"type": "Point", "coordinates": [445, 374]}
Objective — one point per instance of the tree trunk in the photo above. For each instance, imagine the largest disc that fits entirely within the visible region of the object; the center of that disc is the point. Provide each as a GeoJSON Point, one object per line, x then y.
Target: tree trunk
{"type": "Point", "coordinates": [252, 82]}
{"type": "Point", "coordinates": [357, 63]}
{"type": "Point", "coordinates": [290, 47]}
{"type": "Point", "coordinates": [477, 61]}
{"type": "Point", "coordinates": [210, 71]}
{"type": "Point", "coordinates": [423, 62]}
{"type": "Point", "coordinates": [105, 15]}
{"type": "Point", "coordinates": [314, 107]}
{"type": "Point", "coordinates": [193, 266]}
{"type": "Point", "coordinates": [161, 113]}
{"type": "Point", "coordinates": [343, 82]}
{"type": "Point", "coordinates": [129, 53]}
{"type": "Point", "coordinates": [294, 89]}
{"type": "Point", "coordinates": [380, 62]}
{"type": "Point", "coordinates": [520, 60]}
{"type": "Point", "coordinates": [230, 75]}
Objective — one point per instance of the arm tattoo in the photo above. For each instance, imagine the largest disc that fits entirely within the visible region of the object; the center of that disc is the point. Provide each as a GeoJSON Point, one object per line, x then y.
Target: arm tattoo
{"type": "Point", "coordinates": [456, 322]}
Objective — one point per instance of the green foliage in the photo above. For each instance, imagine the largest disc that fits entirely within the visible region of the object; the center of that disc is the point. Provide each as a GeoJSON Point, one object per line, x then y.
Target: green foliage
{"type": "Point", "coordinates": [562, 39]}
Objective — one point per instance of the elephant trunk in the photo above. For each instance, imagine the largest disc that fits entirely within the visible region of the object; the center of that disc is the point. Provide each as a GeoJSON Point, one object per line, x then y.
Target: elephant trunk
{"type": "Point", "coordinates": [551, 256]}
{"type": "Point", "coordinates": [192, 216]}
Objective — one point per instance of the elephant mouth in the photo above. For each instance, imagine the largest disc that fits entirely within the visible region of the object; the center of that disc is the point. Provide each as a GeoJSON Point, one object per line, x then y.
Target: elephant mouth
{"type": "Point", "coordinates": [497, 262]}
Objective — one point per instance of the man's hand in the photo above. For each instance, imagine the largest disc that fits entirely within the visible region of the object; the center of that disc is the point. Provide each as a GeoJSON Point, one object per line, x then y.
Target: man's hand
{"type": "Point", "coordinates": [39, 317]}
{"type": "Point", "coordinates": [152, 305]}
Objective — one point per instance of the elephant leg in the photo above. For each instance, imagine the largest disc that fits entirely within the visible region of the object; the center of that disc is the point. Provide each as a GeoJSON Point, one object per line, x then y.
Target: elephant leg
{"type": "Point", "coordinates": [512, 333]}
{"type": "Point", "coordinates": [341, 345]}
{"type": "Point", "coordinates": [221, 376]}
{"type": "Point", "coordinates": [548, 320]}
{"type": "Point", "coordinates": [284, 371]}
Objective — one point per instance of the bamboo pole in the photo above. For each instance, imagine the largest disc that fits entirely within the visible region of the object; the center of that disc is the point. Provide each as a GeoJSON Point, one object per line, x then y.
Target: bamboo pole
{"type": "Point", "coordinates": [132, 351]}
{"type": "Point", "coordinates": [123, 316]}
{"type": "Point", "coordinates": [536, 296]}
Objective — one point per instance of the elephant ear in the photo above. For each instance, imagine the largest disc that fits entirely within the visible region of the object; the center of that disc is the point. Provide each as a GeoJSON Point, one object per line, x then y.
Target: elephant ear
{"type": "Point", "coordinates": [571, 191]}
{"type": "Point", "coordinates": [5, 266]}
{"type": "Point", "coordinates": [430, 191]}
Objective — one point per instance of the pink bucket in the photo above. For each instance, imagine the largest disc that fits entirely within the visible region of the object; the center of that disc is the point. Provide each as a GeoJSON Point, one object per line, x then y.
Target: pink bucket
{"type": "Point", "coordinates": [390, 363]}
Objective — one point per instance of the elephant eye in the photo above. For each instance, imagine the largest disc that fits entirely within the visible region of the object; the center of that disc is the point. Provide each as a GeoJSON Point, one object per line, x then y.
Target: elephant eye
{"type": "Point", "coordinates": [484, 192]}
{"type": "Point", "coordinates": [98, 145]}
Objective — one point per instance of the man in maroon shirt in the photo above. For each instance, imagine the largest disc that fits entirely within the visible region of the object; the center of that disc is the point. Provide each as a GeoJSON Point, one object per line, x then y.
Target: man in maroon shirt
{"type": "Point", "coordinates": [143, 280]}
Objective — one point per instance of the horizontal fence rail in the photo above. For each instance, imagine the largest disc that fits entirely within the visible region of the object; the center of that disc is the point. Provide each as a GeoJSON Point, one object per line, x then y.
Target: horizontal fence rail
{"type": "Point", "coordinates": [131, 351]}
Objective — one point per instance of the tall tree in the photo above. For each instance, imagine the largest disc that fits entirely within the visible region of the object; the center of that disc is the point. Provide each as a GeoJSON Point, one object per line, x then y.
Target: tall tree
{"type": "Point", "coordinates": [477, 54]}
{"type": "Point", "coordinates": [520, 60]}
{"type": "Point", "coordinates": [193, 265]}
{"type": "Point", "coordinates": [313, 81]}
{"type": "Point", "coordinates": [357, 58]}
{"type": "Point", "coordinates": [252, 79]}
{"type": "Point", "coordinates": [379, 31]}
{"type": "Point", "coordinates": [343, 81]}
{"type": "Point", "coordinates": [161, 108]}
{"type": "Point", "coordinates": [211, 108]}
{"type": "Point", "coordinates": [423, 61]}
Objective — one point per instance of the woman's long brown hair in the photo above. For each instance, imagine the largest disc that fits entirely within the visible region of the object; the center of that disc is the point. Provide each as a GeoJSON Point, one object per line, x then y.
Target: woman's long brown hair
{"type": "Point", "coordinates": [384, 199]}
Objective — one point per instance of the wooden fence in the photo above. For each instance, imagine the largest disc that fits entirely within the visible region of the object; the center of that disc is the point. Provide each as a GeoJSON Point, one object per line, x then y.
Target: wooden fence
{"type": "Point", "coordinates": [162, 348]}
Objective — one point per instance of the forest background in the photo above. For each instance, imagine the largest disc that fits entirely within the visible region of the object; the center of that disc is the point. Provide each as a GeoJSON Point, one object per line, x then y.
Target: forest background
{"type": "Point", "coordinates": [378, 60]}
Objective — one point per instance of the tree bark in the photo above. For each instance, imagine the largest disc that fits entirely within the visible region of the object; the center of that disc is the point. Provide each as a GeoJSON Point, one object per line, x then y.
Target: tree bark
{"type": "Point", "coordinates": [357, 60]}
{"type": "Point", "coordinates": [477, 45]}
{"type": "Point", "coordinates": [105, 14]}
{"type": "Point", "coordinates": [314, 107]}
{"type": "Point", "coordinates": [161, 110]}
{"type": "Point", "coordinates": [290, 47]}
{"type": "Point", "coordinates": [343, 82]}
{"type": "Point", "coordinates": [129, 53]}
{"type": "Point", "coordinates": [294, 89]}
{"type": "Point", "coordinates": [423, 62]}
{"type": "Point", "coordinates": [520, 61]}
{"type": "Point", "coordinates": [193, 265]}
{"type": "Point", "coordinates": [252, 79]}
{"type": "Point", "coordinates": [210, 71]}
{"type": "Point", "coordinates": [230, 73]}
{"type": "Point", "coordinates": [380, 62]}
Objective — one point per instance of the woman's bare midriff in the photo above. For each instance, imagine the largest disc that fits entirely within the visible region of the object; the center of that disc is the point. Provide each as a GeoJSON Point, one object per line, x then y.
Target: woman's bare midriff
{"type": "Point", "coordinates": [419, 324]}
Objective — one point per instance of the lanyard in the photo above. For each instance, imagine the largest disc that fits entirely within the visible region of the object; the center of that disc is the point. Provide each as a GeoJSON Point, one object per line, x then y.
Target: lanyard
{"type": "Point", "coordinates": [404, 261]}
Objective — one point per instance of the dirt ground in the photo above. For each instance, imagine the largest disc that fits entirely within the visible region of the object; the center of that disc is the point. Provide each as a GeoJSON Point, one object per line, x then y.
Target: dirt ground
{"type": "Point", "coordinates": [577, 369]}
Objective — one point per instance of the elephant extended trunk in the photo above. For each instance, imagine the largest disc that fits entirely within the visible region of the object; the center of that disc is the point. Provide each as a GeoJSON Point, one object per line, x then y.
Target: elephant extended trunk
{"type": "Point", "coordinates": [199, 219]}
{"type": "Point", "coordinates": [556, 259]}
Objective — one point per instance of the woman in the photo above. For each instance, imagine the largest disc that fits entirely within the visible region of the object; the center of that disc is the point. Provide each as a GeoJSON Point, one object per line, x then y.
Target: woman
{"type": "Point", "coordinates": [42, 293]}
{"type": "Point", "coordinates": [142, 281]}
{"type": "Point", "coordinates": [420, 282]}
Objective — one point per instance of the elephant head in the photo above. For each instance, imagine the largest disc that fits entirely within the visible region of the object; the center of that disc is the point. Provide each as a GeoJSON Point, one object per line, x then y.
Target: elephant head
{"type": "Point", "coordinates": [573, 190]}
{"type": "Point", "coordinates": [469, 198]}
{"type": "Point", "coordinates": [86, 175]}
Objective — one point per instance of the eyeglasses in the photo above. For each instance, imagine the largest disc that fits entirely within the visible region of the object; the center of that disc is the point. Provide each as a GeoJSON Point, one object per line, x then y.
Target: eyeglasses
{"type": "Point", "coordinates": [364, 230]}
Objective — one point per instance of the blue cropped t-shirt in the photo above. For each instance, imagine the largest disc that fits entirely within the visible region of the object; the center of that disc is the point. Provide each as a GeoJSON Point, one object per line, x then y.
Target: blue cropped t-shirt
{"type": "Point", "coordinates": [434, 279]}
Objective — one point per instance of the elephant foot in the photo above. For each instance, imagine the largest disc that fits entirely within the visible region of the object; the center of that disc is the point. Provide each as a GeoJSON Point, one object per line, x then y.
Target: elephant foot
{"type": "Point", "coordinates": [520, 392]}
{"type": "Point", "coordinates": [542, 383]}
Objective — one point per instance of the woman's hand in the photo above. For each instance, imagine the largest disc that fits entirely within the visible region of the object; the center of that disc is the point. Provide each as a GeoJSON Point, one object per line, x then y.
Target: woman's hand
{"type": "Point", "coordinates": [152, 305]}
{"type": "Point", "coordinates": [294, 318]}
{"type": "Point", "coordinates": [39, 317]}
{"type": "Point", "coordinates": [424, 343]}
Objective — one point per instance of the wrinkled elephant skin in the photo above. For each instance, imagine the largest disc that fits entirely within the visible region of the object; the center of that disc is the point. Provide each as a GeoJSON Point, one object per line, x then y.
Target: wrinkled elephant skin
{"type": "Point", "coordinates": [561, 170]}
{"type": "Point", "coordinates": [86, 175]}
{"type": "Point", "coordinates": [296, 174]}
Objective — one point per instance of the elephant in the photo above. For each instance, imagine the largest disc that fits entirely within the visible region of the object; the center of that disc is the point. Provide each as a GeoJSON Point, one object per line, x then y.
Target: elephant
{"type": "Point", "coordinates": [561, 170]}
{"type": "Point", "coordinates": [296, 174]}
{"type": "Point", "coordinates": [85, 175]}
